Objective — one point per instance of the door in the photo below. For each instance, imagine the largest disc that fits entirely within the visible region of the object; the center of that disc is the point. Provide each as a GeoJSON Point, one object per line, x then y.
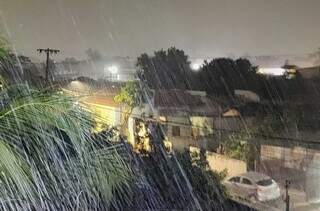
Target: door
{"type": "Point", "coordinates": [248, 188]}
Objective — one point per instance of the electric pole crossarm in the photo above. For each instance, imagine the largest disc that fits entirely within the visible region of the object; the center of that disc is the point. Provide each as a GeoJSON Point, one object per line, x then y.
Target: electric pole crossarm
{"type": "Point", "coordinates": [48, 51]}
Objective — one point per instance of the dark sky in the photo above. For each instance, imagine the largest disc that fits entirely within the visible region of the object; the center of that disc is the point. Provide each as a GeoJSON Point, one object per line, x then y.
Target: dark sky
{"type": "Point", "coordinates": [130, 27]}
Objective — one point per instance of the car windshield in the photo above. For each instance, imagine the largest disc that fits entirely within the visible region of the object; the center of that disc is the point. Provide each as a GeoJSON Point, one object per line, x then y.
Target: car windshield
{"type": "Point", "coordinates": [265, 182]}
{"type": "Point", "coordinates": [235, 179]}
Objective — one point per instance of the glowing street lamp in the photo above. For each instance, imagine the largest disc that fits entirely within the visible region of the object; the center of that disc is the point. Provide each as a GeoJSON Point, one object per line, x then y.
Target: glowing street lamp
{"type": "Point", "coordinates": [113, 69]}
{"type": "Point", "coordinates": [195, 66]}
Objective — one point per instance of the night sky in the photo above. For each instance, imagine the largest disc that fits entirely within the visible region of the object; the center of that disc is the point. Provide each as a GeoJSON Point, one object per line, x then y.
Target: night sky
{"type": "Point", "coordinates": [129, 27]}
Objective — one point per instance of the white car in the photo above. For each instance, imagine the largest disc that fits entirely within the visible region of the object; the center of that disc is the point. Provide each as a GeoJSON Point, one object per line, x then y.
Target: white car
{"type": "Point", "coordinates": [253, 186]}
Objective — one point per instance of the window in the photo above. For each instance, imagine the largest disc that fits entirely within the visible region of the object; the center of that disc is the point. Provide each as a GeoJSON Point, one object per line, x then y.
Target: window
{"type": "Point", "coordinates": [246, 181]}
{"type": "Point", "coordinates": [175, 131]}
{"type": "Point", "coordinates": [235, 179]}
{"type": "Point", "coordinates": [265, 182]}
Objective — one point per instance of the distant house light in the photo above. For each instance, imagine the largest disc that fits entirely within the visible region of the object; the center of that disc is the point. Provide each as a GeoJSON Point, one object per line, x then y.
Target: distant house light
{"type": "Point", "coordinates": [272, 71]}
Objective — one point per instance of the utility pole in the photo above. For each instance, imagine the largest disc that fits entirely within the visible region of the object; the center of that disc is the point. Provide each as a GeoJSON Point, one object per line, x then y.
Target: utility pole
{"type": "Point", "coordinates": [48, 51]}
{"type": "Point", "coordinates": [287, 200]}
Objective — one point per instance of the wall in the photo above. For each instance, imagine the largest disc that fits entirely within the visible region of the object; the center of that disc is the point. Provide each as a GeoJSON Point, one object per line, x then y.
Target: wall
{"type": "Point", "coordinates": [201, 126]}
{"type": "Point", "coordinates": [219, 162]}
{"type": "Point", "coordinates": [229, 124]}
{"type": "Point", "coordinates": [298, 164]}
{"type": "Point", "coordinates": [194, 131]}
{"type": "Point", "coordinates": [295, 157]}
{"type": "Point", "coordinates": [104, 115]}
{"type": "Point", "coordinates": [180, 121]}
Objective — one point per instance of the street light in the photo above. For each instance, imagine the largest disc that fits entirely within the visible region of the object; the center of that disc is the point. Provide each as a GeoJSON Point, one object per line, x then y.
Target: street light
{"type": "Point", "coordinates": [195, 66]}
{"type": "Point", "coordinates": [113, 70]}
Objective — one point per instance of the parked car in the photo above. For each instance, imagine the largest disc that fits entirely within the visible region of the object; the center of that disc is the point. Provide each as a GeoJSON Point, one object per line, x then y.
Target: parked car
{"type": "Point", "coordinates": [253, 186]}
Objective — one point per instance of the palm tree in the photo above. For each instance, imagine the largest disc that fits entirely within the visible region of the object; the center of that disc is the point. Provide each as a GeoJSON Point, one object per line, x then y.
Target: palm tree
{"type": "Point", "coordinates": [49, 159]}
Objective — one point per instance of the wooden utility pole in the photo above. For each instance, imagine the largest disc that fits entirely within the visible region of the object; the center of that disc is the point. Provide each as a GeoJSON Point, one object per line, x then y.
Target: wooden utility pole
{"type": "Point", "coordinates": [48, 51]}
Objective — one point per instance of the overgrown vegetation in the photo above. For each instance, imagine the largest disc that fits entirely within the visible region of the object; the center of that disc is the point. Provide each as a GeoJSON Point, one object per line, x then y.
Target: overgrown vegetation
{"type": "Point", "coordinates": [130, 95]}
{"type": "Point", "coordinates": [207, 183]}
{"type": "Point", "coordinates": [239, 146]}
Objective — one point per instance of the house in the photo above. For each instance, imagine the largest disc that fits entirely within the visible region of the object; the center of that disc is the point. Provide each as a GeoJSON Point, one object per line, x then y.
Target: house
{"type": "Point", "coordinates": [186, 117]}
{"type": "Point", "coordinates": [107, 113]}
{"type": "Point", "coordinates": [98, 98]}
{"type": "Point", "coordinates": [247, 95]}
{"type": "Point", "coordinates": [288, 69]}
{"type": "Point", "coordinates": [235, 118]}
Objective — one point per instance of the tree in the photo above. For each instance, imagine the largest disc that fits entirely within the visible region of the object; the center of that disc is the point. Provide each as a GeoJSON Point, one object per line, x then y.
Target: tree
{"type": "Point", "coordinates": [70, 60]}
{"type": "Point", "coordinates": [46, 149]}
{"type": "Point", "coordinates": [207, 183]}
{"type": "Point", "coordinates": [3, 55]}
{"type": "Point", "coordinates": [224, 75]}
{"type": "Point", "coordinates": [130, 96]}
{"type": "Point", "coordinates": [3, 47]}
{"type": "Point", "coordinates": [93, 54]}
{"type": "Point", "coordinates": [166, 69]}
{"type": "Point", "coordinates": [241, 146]}
{"type": "Point", "coordinates": [48, 158]}
{"type": "Point", "coordinates": [10, 71]}
{"type": "Point", "coordinates": [316, 56]}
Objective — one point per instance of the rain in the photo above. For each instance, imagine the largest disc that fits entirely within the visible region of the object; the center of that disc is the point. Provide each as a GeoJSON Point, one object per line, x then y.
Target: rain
{"type": "Point", "coordinates": [159, 105]}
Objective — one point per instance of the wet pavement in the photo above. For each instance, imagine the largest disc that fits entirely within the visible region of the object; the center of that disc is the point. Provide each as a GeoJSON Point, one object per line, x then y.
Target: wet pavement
{"type": "Point", "coordinates": [298, 202]}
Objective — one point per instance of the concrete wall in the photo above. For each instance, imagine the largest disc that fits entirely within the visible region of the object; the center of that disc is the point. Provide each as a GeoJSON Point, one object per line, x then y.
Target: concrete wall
{"type": "Point", "coordinates": [201, 126]}
{"type": "Point", "coordinates": [298, 164]}
{"type": "Point", "coordinates": [104, 115]}
{"type": "Point", "coordinates": [179, 121]}
{"type": "Point", "coordinates": [290, 157]}
{"type": "Point", "coordinates": [232, 123]}
{"type": "Point", "coordinates": [219, 162]}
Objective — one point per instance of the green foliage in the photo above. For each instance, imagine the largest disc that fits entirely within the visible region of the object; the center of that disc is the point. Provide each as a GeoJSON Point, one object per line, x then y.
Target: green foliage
{"type": "Point", "coordinates": [239, 146]}
{"type": "Point", "coordinates": [8, 71]}
{"type": "Point", "coordinates": [224, 75]}
{"type": "Point", "coordinates": [48, 158]}
{"type": "Point", "coordinates": [206, 183]}
{"type": "Point", "coordinates": [93, 54]}
{"type": "Point", "coordinates": [166, 69]}
{"type": "Point", "coordinates": [4, 49]}
{"type": "Point", "coordinates": [129, 95]}
{"type": "Point", "coordinates": [222, 174]}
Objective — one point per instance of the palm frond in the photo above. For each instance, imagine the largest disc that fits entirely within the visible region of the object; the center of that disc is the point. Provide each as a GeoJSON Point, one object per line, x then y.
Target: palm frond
{"type": "Point", "coordinates": [49, 159]}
